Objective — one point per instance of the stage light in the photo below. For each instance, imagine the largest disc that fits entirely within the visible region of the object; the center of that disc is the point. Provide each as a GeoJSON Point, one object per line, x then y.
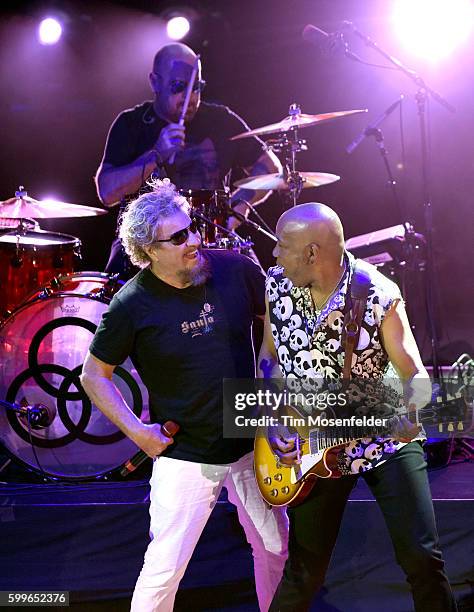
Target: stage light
{"type": "Point", "coordinates": [433, 28]}
{"type": "Point", "coordinates": [177, 27]}
{"type": "Point", "coordinates": [49, 31]}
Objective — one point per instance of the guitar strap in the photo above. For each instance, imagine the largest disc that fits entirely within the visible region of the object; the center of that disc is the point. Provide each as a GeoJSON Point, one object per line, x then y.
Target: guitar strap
{"type": "Point", "coordinates": [356, 303]}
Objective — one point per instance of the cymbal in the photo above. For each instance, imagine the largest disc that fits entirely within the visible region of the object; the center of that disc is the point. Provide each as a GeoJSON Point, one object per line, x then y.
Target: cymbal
{"type": "Point", "coordinates": [278, 182]}
{"type": "Point", "coordinates": [297, 121]}
{"type": "Point", "coordinates": [24, 207]}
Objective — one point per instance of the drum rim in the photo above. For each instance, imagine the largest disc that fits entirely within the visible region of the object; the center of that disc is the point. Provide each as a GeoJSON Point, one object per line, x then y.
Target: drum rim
{"type": "Point", "coordinates": [225, 191]}
{"type": "Point", "coordinates": [29, 467]}
{"type": "Point", "coordinates": [37, 295]}
{"type": "Point", "coordinates": [70, 238]}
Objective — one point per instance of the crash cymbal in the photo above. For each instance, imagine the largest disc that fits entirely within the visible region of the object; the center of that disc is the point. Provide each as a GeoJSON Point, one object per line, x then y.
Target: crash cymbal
{"type": "Point", "coordinates": [278, 182]}
{"type": "Point", "coordinates": [24, 207]}
{"type": "Point", "coordinates": [298, 120]}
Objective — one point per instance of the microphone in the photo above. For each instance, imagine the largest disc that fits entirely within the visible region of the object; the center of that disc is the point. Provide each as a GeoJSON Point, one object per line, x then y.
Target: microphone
{"type": "Point", "coordinates": [368, 131]}
{"type": "Point", "coordinates": [38, 416]}
{"type": "Point", "coordinates": [330, 43]}
{"type": "Point", "coordinates": [168, 429]}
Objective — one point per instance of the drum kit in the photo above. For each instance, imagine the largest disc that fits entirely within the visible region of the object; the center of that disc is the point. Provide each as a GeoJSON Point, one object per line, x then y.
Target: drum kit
{"type": "Point", "coordinates": [49, 313]}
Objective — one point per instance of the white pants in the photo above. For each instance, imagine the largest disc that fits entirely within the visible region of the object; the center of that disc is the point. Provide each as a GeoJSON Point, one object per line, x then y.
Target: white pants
{"type": "Point", "coordinates": [183, 495]}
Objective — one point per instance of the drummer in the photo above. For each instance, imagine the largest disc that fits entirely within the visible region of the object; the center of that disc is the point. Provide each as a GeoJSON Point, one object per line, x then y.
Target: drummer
{"type": "Point", "coordinates": [147, 141]}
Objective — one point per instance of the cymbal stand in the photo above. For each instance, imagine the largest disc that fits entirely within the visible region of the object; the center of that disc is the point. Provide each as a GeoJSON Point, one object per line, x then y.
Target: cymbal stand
{"type": "Point", "coordinates": [288, 145]}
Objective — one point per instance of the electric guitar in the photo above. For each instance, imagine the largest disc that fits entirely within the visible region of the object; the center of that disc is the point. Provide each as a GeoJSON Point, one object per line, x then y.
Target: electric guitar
{"type": "Point", "coordinates": [282, 485]}
{"type": "Point", "coordinates": [318, 447]}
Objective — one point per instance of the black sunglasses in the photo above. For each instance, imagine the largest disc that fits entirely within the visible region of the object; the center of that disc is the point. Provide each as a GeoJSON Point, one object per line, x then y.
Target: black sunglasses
{"type": "Point", "coordinates": [177, 86]}
{"type": "Point", "coordinates": [181, 236]}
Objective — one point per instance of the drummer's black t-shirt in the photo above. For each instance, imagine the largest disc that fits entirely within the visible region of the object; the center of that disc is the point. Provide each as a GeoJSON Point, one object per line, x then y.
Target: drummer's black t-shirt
{"type": "Point", "coordinates": [183, 342]}
{"type": "Point", "coordinates": [208, 154]}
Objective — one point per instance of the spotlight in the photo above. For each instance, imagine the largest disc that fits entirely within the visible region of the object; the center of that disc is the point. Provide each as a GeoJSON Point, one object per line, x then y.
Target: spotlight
{"type": "Point", "coordinates": [433, 28]}
{"type": "Point", "coordinates": [177, 27]}
{"type": "Point", "coordinates": [49, 31]}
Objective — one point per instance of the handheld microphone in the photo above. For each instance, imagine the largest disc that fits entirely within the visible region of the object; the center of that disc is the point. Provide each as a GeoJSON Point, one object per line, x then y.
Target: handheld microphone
{"type": "Point", "coordinates": [168, 429]}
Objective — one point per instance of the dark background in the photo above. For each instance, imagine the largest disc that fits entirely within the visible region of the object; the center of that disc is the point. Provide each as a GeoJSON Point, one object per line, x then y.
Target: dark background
{"type": "Point", "coordinates": [57, 104]}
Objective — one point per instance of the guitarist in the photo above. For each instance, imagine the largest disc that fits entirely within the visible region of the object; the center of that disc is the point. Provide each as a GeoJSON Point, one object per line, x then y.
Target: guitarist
{"type": "Point", "coordinates": [306, 305]}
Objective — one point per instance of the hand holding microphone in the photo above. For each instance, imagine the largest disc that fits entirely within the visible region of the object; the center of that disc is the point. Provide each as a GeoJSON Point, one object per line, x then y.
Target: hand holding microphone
{"type": "Point", "coordinates": [166, 431]}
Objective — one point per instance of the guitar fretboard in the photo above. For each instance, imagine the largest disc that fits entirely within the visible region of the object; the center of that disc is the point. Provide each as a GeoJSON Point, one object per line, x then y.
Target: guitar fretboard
{"type": "Point", "coordinates": [334, 436]}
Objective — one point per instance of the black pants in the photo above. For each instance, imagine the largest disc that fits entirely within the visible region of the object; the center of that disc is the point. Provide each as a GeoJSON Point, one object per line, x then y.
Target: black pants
{"type": "Point", "coordinates": [401, 489]}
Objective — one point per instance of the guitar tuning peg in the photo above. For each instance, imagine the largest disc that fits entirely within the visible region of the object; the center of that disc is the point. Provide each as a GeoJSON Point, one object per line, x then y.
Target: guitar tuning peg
{"type": "Point", "coordinates": [460, 426]}
{"type": "Point", "coordinates": [450, 427]}
{"type": "Point", "coordinates": [440, 427]}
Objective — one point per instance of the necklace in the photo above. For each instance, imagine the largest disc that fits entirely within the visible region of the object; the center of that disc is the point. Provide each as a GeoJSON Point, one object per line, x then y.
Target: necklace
{"type": "Point", "coordinates": [319, 307]}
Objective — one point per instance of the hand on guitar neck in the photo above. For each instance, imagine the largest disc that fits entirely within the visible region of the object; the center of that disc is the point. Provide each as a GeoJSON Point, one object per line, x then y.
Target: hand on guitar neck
{"type": "Point", "coordinates": [403, 429]}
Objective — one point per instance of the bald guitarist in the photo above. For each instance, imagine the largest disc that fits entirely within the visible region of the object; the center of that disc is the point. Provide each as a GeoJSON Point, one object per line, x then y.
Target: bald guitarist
{"type": "Point", "coordinates": [306, 307]}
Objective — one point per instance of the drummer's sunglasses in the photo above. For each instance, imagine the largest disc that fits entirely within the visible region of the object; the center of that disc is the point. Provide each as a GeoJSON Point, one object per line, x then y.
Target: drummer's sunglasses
{"type": "Point", "coordinates": [177, 86]}
{"type": "Point", "coordinates": [181, 236]}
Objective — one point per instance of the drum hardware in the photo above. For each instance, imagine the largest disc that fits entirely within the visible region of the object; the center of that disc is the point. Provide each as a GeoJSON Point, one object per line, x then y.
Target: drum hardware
{"type": "Point", "coordinates": [288, 145]}
{"type": "Point", "coordinates": [102, 292]}
{"type": "Point", "coordinates": [38, 416]}
{"type": "Point", "coordinates": [29, 259]}
{"type": "Point", "coordinates": [228, 234]}
{"type": "Point", "coordinates": [210, 207]}
{"type": "Point", "coordinates": [43, 345]}
{"type": "Point", "coordinates": [22, 206]}
{"type": "Point", "coordinates": [245, 220]}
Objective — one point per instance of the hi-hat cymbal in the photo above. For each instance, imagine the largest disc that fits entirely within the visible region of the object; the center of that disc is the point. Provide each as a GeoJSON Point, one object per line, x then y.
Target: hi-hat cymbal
{"type": "Point", "coordinates": [24, 207]}
{"type": "Point", "coordinates": [278, 182]}
{"type": "Point", "coordinates": [298, 120]}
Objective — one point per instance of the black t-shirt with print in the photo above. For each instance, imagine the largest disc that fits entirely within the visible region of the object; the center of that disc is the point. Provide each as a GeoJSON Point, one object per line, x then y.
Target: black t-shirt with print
{"type": "Point", "coordinates": [183, 342]}
{"type": "Point", "coordinates": [208, 154]}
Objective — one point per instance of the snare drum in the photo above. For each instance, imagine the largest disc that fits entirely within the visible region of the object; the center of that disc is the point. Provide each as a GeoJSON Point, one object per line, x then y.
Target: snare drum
{"type": "Point", "coordinates": [43, 345]}
{"type": "Point", "coordinates": [29, 259]}
{"type": "Point", "coordinates": [213, 206]}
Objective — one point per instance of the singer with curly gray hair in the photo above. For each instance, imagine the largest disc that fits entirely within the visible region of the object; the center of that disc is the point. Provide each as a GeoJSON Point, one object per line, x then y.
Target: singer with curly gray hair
{"type": "Point", "coordinates": [186, 321]}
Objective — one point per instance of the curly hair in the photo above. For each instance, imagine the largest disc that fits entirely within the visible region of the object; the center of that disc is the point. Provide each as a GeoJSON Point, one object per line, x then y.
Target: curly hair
{"type": "Point", "coordinates": [143, 216]}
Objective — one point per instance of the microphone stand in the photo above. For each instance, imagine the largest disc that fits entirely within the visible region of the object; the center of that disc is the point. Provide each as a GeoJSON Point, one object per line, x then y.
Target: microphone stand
{"type": "Point", "coordinates": [421, 97]}
{"type": "Point", "coordinates": [242, 219]}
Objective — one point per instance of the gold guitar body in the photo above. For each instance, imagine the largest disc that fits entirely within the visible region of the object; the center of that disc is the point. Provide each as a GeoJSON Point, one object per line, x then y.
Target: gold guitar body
{"type": "Point", "coordinates": [282, 485]}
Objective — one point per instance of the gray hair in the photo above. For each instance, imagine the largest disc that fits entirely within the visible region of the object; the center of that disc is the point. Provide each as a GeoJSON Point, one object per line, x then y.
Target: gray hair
{"type": "Point", "coordinates": [142, 217]}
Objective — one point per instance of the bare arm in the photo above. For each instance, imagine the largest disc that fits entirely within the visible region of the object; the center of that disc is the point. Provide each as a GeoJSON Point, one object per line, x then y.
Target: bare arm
{"type": "Point", "coordinates": [403, 352]}
{"type": "Point", "coordinates": [97, 382]}
{"type": "Point", "coordinates": [280, 440]}
{"type": "Point", "coordinates": [113, 183]}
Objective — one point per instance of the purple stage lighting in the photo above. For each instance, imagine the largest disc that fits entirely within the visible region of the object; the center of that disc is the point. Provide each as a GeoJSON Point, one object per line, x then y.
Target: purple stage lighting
{"type": "Point", "coordinates": [177, 27]}
{"type": "Point", "coordinates": [49, 31]}
{"type": "Point", "coordinates": [432, 28]}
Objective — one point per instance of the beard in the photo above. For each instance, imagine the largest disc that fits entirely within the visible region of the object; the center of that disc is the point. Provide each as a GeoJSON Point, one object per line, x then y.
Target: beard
{"type": "Point", "coordinates": [197, 275]}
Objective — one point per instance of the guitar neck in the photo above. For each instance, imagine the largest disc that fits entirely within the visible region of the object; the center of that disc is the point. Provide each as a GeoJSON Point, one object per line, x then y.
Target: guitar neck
{"type": "Point", "coordinates": [336, 436]}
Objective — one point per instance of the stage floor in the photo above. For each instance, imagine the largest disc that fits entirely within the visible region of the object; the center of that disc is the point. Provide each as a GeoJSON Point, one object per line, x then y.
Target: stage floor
{"type": "Point", "coordinates": [90, 538]}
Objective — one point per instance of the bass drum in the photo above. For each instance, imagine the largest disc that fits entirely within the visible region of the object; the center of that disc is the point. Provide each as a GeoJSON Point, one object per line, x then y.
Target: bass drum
{"type": "Point", "coordinates": [43, 345]}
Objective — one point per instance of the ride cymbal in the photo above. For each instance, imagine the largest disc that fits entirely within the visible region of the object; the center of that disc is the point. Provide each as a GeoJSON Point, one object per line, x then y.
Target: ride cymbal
{"type": "Point", "coordinates": [298, 120]}
{"type": "Point", "coordinates": [279, 182]}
